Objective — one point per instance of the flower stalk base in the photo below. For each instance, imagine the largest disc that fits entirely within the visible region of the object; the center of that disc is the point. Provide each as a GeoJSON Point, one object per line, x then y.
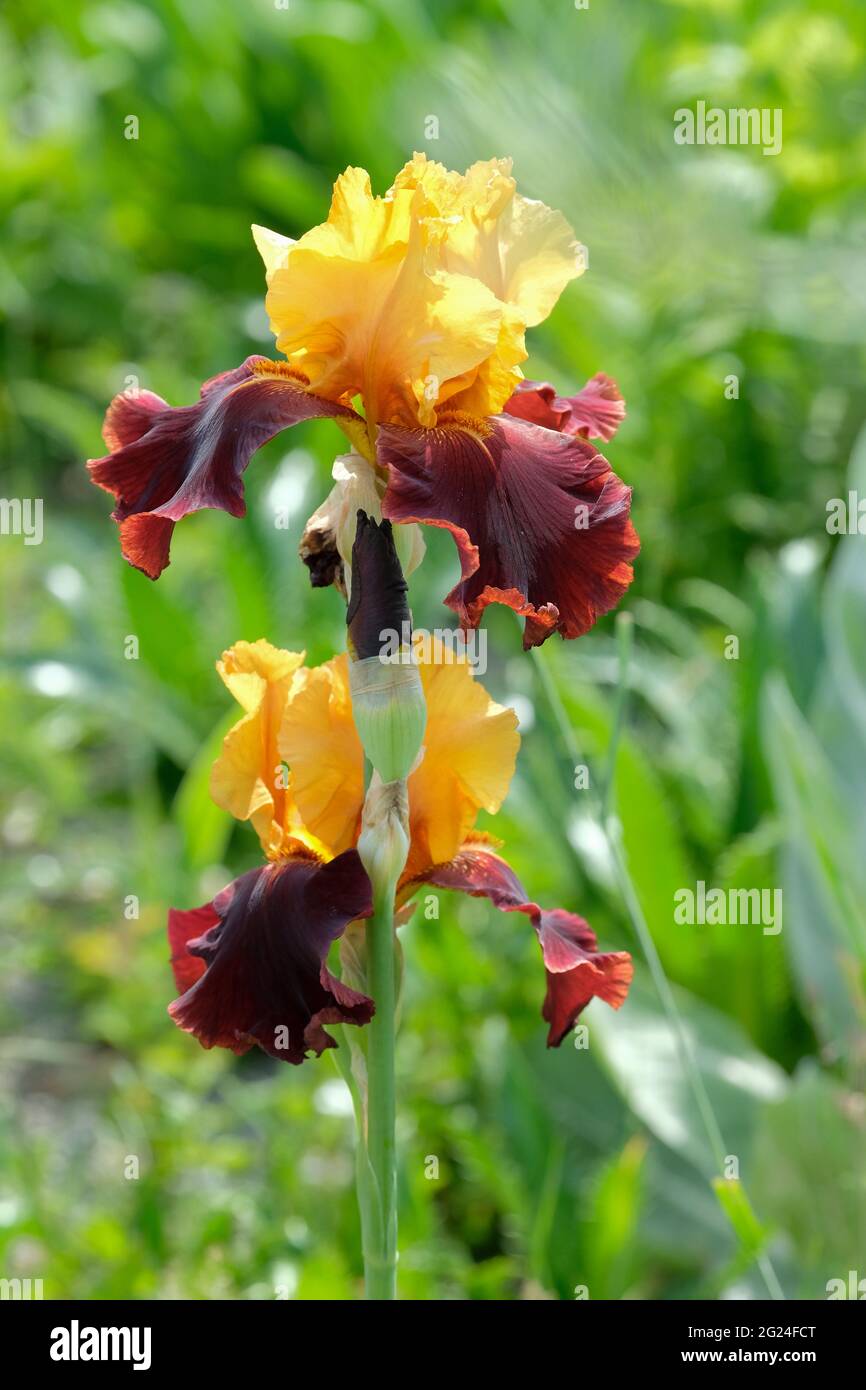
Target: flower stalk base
{"type": "Point", "coordinates": [380, 1233]}
{"type": "Point", "coordinates": [383, 846]}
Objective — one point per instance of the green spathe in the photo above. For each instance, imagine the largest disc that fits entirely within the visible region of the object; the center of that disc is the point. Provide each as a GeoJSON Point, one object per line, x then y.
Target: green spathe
{"type": "Point", "coordinates": [390, 714]}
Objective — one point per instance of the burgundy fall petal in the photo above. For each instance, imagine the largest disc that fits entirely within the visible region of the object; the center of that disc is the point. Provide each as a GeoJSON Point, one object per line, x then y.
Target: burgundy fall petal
{"type": "Point", "coordinates": [596, 412]}
{"type": "Point", "coordinates": [576, 970]}
{"type": "Point", "coordinates": [253, 962]}
{"type": "Point", "coordinates": [540, 521]}
{"type": "Point", "coordinates": [166, 462]}
{"type": "Point", "coordinates": [184, 927]}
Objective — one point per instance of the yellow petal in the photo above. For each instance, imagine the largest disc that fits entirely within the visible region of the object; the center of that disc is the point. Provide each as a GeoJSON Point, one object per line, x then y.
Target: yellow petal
{"type": "Point", "coordinates": [498, 377]}
{"type": "Point", "coordinates": [361, 227]}
{"type": "Point", "coordinates": [464, 201]}
{"type": "Point", "coordinates": [524, 251]}
{"type": "Point", "coordinates": [540, 255]}
{"type": "Point", "coordinates": [452, 326]}
{"type": "Point", "coordinates": [364, 305]}
{"type": "Point", "coordinates": [273, 249]}
{"type": "Point", "coordinates": [319, 741]}
{"type": "Point", "coordinates": [237, 783]}
{"type": "Point", "coordinates": [418, 299]}
{"type": "Point", "coordinates": [470, 749]}
{"type": "Point", "coordinates": [247, 666]}
{"type": "Point", "coordinates": [335, 279]}
{"type": "Point", "coordinates": [246, 779]}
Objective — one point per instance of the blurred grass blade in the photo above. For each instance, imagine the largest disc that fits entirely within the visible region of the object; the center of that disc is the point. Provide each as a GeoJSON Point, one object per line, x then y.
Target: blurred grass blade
{"type": "Point", "coordinates": [205, 827]}
{"type": "Point", "coordinates": [814, 814]}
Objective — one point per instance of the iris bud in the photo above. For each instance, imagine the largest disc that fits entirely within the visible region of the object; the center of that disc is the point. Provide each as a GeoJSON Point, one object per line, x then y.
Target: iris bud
{"type": "Point", "coordinates": [384, 840]}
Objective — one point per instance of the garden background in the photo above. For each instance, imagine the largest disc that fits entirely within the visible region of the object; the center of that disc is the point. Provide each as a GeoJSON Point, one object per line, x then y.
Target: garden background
{"type": "Point", "coordinates": [582, 1167]}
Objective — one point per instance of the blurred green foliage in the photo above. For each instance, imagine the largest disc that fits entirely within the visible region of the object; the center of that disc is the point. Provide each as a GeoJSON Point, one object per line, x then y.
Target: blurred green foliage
{"type": "Point", "coordinates": [133, 257]}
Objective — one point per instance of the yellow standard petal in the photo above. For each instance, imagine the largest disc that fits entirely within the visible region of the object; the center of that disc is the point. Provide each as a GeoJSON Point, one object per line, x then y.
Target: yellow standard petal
{"type": "Point", "coordinates": [320, 743]}
{"type": "Point", "coordinates": [273, 248]}
{"type": "Point", "coordinates": [470, 749]}
{"type": "Point", "coordinates": [248, 779]}
{"type": "Point", "coordinates": [421, 298]}
{"type": "Point", "coordinates": [524, 251]}
{"type": "Point", "coordinates": [540, 255]}
{"type": "Point", "coordinates": [364, 305]}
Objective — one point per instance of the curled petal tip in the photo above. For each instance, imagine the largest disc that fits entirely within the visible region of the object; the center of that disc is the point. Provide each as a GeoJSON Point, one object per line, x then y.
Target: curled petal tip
{"type": "Point", "coordinates": [596, 412]}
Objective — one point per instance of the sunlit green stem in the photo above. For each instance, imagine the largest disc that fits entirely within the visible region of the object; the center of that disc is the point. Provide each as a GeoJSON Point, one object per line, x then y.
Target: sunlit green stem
{"type": "Point", "coordinates": [380, 1254]}
{"type": "Point", "coordinates": [368, 1202]}
{"type": "Point", "coordinates": [624, 634]}
{"type": "Point", "coordinates": [383, 846]}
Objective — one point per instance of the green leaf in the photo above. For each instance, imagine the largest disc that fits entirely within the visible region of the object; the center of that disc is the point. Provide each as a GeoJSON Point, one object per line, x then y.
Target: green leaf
{"type": "Point", "coordinates": [806, 1176]}
{"type": "Point", "coordinates": [640, 1049]}
{"type": "Point", "coordinates": [750, 1233]}
{"type": "Point", "coordinates": [206, 827]}
{"type": "Point", "coordinates": [825, 895]}
{"type": "Point", "coordinates": [168, 635]}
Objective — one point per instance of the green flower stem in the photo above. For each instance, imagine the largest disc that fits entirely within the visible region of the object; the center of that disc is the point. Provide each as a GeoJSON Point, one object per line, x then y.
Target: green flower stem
{"type": "Point", "coordinates": [380, 1242]}
{"type": "Point", "coordinates": [368, 1206]}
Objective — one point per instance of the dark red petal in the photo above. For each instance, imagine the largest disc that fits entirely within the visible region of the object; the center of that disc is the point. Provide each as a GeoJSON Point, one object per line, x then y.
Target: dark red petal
{"type": "Point", "coordinates": [257, 972]}
{"type": "Point", "coordinates": [184, 927]}
{"type": "Point", "coordinates": [130, 416]}
{"type": "Point", "coordinates": [481, 874]}
{"type": "Point", "coordinates": [576, 971]}
{"type": "Point", "coordinates": [540, 521]}
{"type": "Point", "coordinates": [166, 462]}
{"type": "Point", "coordinates": [596, 412]}
{"type": "Point", "coordinates": [145, 540]}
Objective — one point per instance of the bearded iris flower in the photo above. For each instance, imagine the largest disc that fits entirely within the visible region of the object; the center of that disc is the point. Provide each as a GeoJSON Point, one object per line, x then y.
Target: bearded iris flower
{"type": "Point", "coordinates": [402, 318]}
{"type": "Point", "coordinates": [252, 965]}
